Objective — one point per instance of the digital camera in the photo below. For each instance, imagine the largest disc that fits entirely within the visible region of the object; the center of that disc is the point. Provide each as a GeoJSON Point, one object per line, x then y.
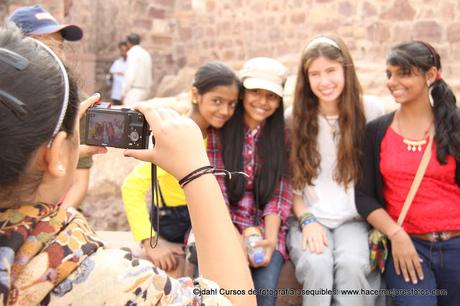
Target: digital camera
{"type": "Point", "coordinates": [118, 128]}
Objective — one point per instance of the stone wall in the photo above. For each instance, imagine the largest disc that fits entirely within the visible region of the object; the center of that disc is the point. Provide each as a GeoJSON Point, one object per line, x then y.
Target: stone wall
{"type": "Point", "coordinates": [236, 30]}
{"type": "Point", "coordinates": [180, 33]}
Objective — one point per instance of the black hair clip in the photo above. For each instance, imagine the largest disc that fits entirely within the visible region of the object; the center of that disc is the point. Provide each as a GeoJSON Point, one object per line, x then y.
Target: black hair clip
{"type": "Point", "coordinates": [19, 62]}
{"type": "Point", "coordinates": [13, 59]}
{"type": "Point", "coordinates": [16, 106]}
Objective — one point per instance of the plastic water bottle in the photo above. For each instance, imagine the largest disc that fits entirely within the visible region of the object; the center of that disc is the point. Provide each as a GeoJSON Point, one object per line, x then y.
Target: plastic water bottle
{"type": "Point", "coordinates": [251, 235]}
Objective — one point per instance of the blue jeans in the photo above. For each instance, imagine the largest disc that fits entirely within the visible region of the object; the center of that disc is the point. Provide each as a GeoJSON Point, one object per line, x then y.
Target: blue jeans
{"type": "Point", "coordinates": [441, 270]}
{"type": "Point", "coordinates": [267, 278]}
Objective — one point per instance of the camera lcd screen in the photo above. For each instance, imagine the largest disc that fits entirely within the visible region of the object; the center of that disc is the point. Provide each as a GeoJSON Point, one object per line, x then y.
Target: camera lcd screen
{"type": "Point", "coordinates": [106, 128]}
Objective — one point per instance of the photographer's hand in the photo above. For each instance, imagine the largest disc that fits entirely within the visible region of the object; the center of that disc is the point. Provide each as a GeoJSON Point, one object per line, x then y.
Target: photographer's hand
{"type": "Point", "coordinates": [85, 150]}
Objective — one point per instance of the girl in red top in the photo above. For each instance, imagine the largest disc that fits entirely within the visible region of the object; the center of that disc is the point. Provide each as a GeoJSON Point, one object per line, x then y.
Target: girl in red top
{"type": "Point", "coordinates": [424, 251]}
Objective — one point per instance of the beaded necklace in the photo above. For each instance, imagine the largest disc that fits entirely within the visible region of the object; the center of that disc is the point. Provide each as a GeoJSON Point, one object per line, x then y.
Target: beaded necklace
{"type": "Point", "coordinates": [413, 145]}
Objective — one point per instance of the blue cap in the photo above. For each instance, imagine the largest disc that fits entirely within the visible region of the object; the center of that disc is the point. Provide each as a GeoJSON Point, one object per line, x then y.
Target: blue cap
{"type": "Point", "coordinates": [35, 20]}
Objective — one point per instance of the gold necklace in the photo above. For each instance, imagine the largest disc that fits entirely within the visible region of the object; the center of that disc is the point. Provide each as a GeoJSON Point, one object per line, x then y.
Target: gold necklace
{"type": "Point", "coordinates": [413, 145]}
{"type": "Point", "coordinates": [333, 129]}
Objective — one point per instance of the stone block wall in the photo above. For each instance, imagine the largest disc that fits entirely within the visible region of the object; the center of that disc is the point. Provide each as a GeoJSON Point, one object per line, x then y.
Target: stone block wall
{"type": "Point", "coordinates": [236, 30]}
{"type": "Point", "coordinates": [180, 33]}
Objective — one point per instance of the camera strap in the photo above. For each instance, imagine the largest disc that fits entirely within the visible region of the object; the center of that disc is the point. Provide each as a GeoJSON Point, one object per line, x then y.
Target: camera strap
{"type": "Point", "coordinates": [155, 218]}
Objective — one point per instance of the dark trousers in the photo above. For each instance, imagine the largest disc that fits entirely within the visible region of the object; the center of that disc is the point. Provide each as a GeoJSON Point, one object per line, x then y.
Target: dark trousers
{"type": "Point", "coordinates": [174, 223]}
{"type": "Point", "coordinates": [441, 270]}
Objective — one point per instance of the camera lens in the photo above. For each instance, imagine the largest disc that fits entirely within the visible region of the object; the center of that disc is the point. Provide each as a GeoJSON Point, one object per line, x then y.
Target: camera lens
{"type": "Point", "coordinates": [134, 136]}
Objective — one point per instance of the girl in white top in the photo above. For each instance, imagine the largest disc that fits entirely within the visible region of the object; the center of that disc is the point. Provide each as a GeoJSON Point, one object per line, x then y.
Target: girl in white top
{"type": "Point", "coordinates": [328, 243]}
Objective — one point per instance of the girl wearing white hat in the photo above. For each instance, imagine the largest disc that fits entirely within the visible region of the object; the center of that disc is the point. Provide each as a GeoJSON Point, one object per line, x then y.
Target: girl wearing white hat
{"type": "Point", "coordinates": [253, 141]}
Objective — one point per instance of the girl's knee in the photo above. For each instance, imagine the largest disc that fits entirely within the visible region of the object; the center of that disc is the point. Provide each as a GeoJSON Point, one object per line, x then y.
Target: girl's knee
{"type": "Point", "coordinates": [352, 264]}
{"type": "Point", "coordinates": [314, 264]}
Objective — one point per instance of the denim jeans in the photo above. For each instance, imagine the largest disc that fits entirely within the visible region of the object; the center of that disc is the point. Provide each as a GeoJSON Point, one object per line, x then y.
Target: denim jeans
{"type": "Point", "coordinates": [441, 270]}
{"type": "Point", "coordinates": [267, 278]}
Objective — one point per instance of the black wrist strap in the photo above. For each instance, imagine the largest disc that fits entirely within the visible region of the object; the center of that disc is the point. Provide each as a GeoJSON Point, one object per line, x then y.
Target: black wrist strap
{"type": "Point", "coordinates": [195, 174]}
{"type": "Point", "coordinates": [206, 170]}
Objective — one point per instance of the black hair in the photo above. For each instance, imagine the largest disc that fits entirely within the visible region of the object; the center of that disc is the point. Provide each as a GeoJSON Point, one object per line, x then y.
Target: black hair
{"type": "Point", "coordinates": [40, 88]}
{"type": "Point", "coordinates": [422, 56]}
{"type": "Point", "coordinates": [271, 153]}
{"type": "Point", "coordinates": [122, 43]}
{"type": "Point", "coordinates": [133, 39]}
{"type": "Point", "coordinates": [214, 74]}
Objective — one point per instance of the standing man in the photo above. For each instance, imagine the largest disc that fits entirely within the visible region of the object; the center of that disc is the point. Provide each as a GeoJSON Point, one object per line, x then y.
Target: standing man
{"type": "Point", "coordinates": [138, 77]}
{"type": "Point", "coordinates": [117, 73]}
{"type": "Point", "coordinates": [38, 23]}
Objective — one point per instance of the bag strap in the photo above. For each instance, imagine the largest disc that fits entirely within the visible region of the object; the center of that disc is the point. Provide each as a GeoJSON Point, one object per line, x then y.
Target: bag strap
{"type": "Point", "coordinates": [163, 202]}
{"type": "Point", "coordinates": [417, 180]}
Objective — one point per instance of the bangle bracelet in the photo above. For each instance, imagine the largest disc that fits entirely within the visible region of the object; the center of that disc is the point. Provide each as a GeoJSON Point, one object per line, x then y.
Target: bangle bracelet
{"type": "Point", "coordinates": [195, 174]}
{"type": "Point", "coordinates": [304, 216]}
{"type": "Point", "coordinates": [308, 221]}
{"type": "Point", "coordinates": [394, 233]}
{"type": "Point", "coordinates": [205, 170]}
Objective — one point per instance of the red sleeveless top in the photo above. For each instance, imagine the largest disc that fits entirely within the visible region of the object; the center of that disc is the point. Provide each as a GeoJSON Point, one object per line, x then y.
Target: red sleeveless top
{"type": "Point", "coordinates": [436, 205]}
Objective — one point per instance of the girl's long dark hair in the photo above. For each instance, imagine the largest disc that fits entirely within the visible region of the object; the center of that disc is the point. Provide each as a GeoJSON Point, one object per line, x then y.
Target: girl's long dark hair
{"type": "Point", "coordinates": [422, 56]}
{"type": "Point", "coordinates": [271, 153]}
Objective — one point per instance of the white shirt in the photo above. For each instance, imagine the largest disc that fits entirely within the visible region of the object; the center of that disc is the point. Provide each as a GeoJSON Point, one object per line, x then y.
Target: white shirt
{"type": "Point", "coordinates": [330, 202]}
{"type": "Point", "coordinates": [139, 70]}
{"type": "Point", "coordinates": [118, 70]}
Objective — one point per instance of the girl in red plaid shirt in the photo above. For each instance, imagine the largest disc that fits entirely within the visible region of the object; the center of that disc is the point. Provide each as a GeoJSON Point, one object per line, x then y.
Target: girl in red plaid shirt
{"type": "Point", "coordinates": [253, 141]}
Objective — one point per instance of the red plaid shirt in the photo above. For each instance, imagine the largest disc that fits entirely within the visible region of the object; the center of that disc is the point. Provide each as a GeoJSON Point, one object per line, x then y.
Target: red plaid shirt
{"type": "Point", "coordinates": [243, 214]}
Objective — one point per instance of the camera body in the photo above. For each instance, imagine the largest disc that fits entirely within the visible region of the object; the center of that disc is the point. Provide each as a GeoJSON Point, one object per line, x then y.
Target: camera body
{"type": "Point", "coordinates": [118, 128]}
